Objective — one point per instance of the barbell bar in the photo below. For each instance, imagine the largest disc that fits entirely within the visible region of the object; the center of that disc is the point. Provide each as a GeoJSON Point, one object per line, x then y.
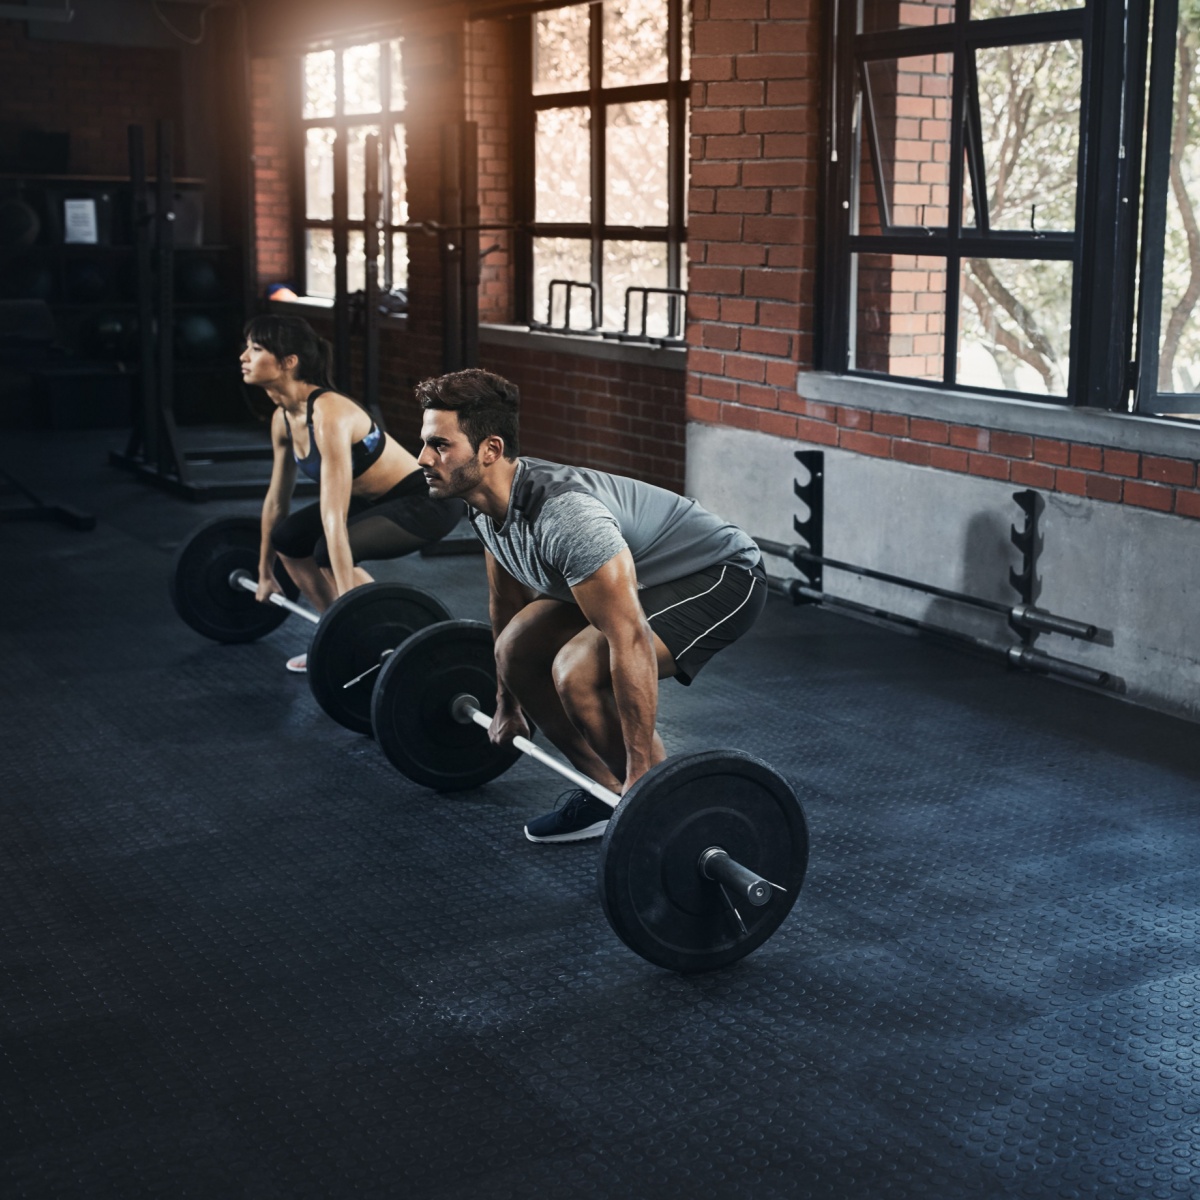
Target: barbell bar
{"type": "Point", "coordinates": [671, 873]}
{"type": "Point", "coordinates": [1023, 616]}
{"type": "Point", "coordinates": [242, 578]}
{"type": "Point", "coordinates": [714, 863]}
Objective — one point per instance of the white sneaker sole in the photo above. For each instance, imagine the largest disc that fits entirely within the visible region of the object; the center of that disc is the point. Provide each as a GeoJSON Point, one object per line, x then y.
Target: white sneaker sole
{"type": "Point", "coordinates": [580, 835]}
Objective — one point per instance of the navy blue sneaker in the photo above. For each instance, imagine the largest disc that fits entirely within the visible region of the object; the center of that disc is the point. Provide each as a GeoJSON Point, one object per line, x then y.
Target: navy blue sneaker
{"type": "Point", "coordinates": [578, 816]}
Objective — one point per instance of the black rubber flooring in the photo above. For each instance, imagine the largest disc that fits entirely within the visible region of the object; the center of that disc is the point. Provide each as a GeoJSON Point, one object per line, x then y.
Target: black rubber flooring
{"type": "Point", "coordinates": [243, 957]}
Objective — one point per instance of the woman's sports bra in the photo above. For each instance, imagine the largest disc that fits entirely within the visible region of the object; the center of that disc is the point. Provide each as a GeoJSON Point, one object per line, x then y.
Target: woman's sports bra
{"type": "Point", "coordinates": [362, 454]}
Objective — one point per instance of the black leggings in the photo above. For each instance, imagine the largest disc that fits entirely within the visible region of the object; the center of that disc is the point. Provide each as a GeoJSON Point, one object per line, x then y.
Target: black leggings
{"type": "Point", "coordinates": [390, 526]}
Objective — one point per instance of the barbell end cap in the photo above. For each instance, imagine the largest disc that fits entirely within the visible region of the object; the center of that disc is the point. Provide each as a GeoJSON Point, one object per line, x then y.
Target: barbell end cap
{"type": "Point", "coordinates": [242, 580]}
{"type": "Point", "coordinates": [715, 864]}
{"type": "Point", "coordinates": [461, 707]}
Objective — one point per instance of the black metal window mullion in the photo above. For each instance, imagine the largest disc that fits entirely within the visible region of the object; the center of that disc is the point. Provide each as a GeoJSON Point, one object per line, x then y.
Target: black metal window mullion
{"type": "Point", "coordinates": [676, 148]}
{"type": "Point", "coordinates": [1160, 113]}
{"type": "Point", "coordinates": [598, 129]}
{"type": "Point", "coordinates": [958, 109]}
{"type": "Point", "coordinates": [973, 145]}
{"type": "Point", "coordinates": [1107, 211]}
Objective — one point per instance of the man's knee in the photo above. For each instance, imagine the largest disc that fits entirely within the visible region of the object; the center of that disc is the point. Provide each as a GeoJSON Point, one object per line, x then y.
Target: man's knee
{"type": "Point", "coordinates": [579, 673]}
{"type": "Point", "coordinates": [516, 652]}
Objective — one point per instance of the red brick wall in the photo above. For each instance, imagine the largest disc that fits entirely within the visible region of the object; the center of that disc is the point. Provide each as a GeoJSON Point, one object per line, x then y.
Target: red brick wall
{"type": "Point", "coordinates": [1050, 465]}
{"type": "Point", "coordinates": [94, 93]}
{"type": "Point", "coordinates": [753, 207]}
{"type": "Point", "coordinates": [272, 202]}
{"type": "Point", "coordinates": [612, 416]}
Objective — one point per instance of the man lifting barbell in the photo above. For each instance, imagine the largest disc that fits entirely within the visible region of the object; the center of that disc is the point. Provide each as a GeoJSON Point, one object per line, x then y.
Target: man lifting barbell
{"type": "Point", "coordinates": [599, 586]}
{"type": "Point", "coordinates": [373, 500]}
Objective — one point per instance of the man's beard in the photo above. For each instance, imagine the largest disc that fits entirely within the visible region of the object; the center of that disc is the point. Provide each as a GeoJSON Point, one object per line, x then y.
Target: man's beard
{"type": "Point", "coordinates": [460, 481]}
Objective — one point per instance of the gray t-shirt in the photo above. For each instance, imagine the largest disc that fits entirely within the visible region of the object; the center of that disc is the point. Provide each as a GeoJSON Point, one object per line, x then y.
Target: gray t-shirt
{"type": "Point", "coordinates": [564, 523]}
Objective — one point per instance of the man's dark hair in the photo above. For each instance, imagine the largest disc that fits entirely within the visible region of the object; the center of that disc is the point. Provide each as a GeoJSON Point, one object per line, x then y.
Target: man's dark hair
{"type": "Point", "coordinates": [281, 336]}
{"type": "Point", "coordinates": [486, 404]}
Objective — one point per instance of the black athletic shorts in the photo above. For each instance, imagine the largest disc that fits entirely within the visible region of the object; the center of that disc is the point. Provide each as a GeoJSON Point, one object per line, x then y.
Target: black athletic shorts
{"type": "Point", "coordinates": [700, 614]}
{"type": "Point", "coordinates": [389, 526]}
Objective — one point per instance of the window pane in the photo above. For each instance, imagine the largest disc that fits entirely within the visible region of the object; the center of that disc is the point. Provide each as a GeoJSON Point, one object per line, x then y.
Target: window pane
{"type": "Point", "coordinates": [1014, 327]}
{"type": "Point", "coordinates": [879, 15]}
{"type": "Point", "coordinates": [1179, 344]}
{"type": "Point", "coordinates": [562, 258]}
{"type": "Point", "coordinates": [397, 166]}
{"type": "Point", "coordinates": [900, 318]}
{"type": "Point", "coordinates": [908, 122]}
{"type": "Point", "coordinates": [635, 42]}
{"type": "Point", "coordinates": [560, 50]}
{"type": "Point", "coordinates": [360, 78]}
{"type": "Point", "coordinates": [562, 165]}
{"type": "Point", "coordinates": [637, 163]}
{"type": "Point", "coordinates": [320, 84]}
{"type": "Point", "coordinates": [318, 262]}
{"type": "Point", "coordinates": [318, 174]}
{"type": "Point", "coordinates": [396, 50]}
{"type": "Point", "coordinates": [985, 9]}
{"type": "Point", "coordinates": [356, 168]}
{"type": "Point", "coordinates": [400, 260]}
{"type": "Point", "coordinates": [1029, 111]}
{"type": "Point", "coordinates": [636, 264]}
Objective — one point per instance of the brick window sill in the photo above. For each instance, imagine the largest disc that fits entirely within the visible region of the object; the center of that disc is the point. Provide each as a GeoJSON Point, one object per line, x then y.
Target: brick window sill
{"type": "Point", "coordinates": [1177, 437]}
{"type": "Point", "coordinates": [518, 337]}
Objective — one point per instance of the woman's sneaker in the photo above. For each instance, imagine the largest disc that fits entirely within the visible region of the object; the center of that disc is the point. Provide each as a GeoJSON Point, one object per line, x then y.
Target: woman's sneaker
{"type": "Point", "coordinates": [578, 816]}
{"type": "Point", "coordinates": [298, 665]}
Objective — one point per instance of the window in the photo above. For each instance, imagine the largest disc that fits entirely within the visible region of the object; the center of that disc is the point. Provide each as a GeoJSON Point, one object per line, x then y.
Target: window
{"type": "Point", "coordinates": [1169, 328]}
{"type": "Point", "coordinates": [350, 93]}
{"type": "Point", "coordinates": [983, 192]}
{"type": "Point", "coordinates": [602, 168]}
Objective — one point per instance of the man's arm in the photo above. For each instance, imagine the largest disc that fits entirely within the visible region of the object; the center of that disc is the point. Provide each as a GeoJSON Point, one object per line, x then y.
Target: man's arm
{"type": "Point", "coordinates": [609, 600]}
{"type": "Point", "coordinates": [506, 597]}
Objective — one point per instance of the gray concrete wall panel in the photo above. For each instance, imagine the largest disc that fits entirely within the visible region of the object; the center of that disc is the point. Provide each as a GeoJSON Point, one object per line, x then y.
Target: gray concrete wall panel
{"type": "Point", "coordinates": [1132, 572]}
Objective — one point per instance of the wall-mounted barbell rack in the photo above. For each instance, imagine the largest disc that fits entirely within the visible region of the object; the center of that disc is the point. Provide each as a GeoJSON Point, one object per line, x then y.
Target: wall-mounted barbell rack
{"type": "Point", "coordinates": [1025, 618]}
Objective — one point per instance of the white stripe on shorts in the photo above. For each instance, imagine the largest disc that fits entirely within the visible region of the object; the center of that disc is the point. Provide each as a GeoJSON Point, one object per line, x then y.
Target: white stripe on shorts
{"type": "Point", "coordinates": [687, 599]}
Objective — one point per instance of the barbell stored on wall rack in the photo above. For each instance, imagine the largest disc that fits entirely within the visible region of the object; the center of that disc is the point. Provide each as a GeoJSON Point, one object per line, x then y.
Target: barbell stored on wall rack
{"type": "Point", "coordinates": [703, 856]}
{"type": "Point", "coordinates": [213, 588]}
{"type": "Point", "coordinates": [1017, 656]}
{"type": "Point", "coordinates": [1025, 616]}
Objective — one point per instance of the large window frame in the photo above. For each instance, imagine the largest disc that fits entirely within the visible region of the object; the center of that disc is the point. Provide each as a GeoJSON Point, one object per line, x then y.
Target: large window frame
{"type": "Point", "coordinates": [389, 118]}
{"type": "Point", "coordinates": [597, 99]}
{"type": "Point", "coordinates": [1101, 250]}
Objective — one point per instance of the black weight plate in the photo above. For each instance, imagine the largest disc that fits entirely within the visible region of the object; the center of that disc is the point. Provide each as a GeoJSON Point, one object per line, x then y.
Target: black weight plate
{"type": "Point", "coordinates": [651, 888]}
{"type": "Point", "coordinates": [200, 587]}
{"type": "Point", "coordinates": [410, 708]}
{"type": "Point", "coordinates": [353, 634]}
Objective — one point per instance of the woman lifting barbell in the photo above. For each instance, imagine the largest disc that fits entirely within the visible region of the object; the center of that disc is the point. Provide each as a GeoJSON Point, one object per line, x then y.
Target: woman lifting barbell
{"type": "Point", "coordinates": [374, 502]}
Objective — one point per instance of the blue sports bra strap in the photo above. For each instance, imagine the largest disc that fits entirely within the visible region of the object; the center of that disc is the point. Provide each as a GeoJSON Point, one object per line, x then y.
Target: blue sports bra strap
{"type": "Point", "coordinates": [312, 397]}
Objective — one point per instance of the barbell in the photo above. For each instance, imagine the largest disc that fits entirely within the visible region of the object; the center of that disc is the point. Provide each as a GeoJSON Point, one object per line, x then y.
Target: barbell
{"type": "Point", "coordinates": [703, 857]}
{"type": "Point", "coordinates": [213, 589]}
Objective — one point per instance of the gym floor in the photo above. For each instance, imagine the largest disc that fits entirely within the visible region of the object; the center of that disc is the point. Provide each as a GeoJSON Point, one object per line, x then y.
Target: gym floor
{"type": "Point", "coordinates": [242, 956]}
